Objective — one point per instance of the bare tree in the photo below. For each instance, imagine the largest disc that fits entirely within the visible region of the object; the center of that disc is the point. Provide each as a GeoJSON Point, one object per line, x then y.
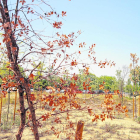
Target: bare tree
{"type": "Point", "coordinates": [121, 76]}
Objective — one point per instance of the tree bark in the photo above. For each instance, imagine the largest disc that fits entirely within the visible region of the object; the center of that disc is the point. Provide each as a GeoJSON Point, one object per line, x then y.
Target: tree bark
{"type": "Point", "coordinates": [32, 110]}
{"type": "Point", "coordinates": [22, 113]}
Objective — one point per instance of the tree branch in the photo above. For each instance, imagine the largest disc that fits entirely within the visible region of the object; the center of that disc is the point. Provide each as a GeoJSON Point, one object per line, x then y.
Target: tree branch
{"type": "Point", "coordinates": [16, 12]}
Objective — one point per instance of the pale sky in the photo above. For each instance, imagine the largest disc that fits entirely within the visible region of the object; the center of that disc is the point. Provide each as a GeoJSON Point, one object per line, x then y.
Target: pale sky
{"type": "Point", "coordinates": [113, 25]}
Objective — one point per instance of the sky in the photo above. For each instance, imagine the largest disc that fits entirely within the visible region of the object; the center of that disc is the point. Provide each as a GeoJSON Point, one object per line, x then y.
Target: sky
{"type": "Point", "coordinates": [113, 25]}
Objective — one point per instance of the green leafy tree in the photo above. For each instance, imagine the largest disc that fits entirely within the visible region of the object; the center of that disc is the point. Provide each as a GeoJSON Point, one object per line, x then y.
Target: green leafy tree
{"type": "Point", "coordinates": [4, 71]}
{"type": "Point", "coordinates": [83, 77]}
{"type": "Point", "coordinates": [110, 82]}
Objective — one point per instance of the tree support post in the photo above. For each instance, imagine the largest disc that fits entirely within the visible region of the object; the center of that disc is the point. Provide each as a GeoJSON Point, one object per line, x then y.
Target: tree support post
{"type": "Point", "coordinates": [0, 109]}
{"type": "Point", "coordinates": [79, 130]}
{"type": "Point", "coordinates": [133, 106]}
{"type": "Point", "coordinates": [139, 103]}
{"type": "Point", "coordinates": [15, 105]}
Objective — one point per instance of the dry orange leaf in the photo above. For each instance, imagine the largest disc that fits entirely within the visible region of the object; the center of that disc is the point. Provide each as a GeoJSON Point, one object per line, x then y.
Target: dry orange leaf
{"type": "Point", "coordinates": [31, 76]}
{"type": "Point", "coordinates": [53, 109]}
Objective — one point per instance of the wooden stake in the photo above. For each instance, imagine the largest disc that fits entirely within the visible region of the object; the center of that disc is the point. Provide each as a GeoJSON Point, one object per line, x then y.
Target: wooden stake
{"type": "Point", "coordinates": [36, 98]}
{"type": "Point", "coordinates": [139, 103]}
{"type": "Point", "coordinates": [41, 96]}
{"type": "Point", "coordinates": [0, 108]}
{"type": "Point", "coordinates": [8, 104]}
{"type": "Point", "coordinates": [15, 105]}
{"type": "Point", "coordinates": [123, 98]}
{"type": "Point", "coordinates": [133, 106]}
{"type": "Point", "coordinates": [79, 130]}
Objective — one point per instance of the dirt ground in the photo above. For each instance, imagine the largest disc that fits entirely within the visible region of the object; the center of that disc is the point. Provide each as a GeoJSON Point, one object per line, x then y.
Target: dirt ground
{"type": "Point", "coordinates": [120, 128]}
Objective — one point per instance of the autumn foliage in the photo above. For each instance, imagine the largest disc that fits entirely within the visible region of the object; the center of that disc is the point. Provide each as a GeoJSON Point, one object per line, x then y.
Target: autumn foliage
{"type": "Point", "coordinates": [19, 35]}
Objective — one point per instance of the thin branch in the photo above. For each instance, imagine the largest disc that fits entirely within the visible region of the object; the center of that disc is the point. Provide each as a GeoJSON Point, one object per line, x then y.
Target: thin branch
{"type": "Point", "coordinates": [60, 113]}
{"type": "Point", "coordinates": [35, 67]}
{"type": "Point", "coordinates": [16, 12]}
{"type": "Point", "coordinates": [30, 53]}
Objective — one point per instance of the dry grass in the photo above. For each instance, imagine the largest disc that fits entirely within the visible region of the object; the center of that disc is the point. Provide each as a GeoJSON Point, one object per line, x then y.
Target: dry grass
{"type": "Point", "coordinates": [117, 129]}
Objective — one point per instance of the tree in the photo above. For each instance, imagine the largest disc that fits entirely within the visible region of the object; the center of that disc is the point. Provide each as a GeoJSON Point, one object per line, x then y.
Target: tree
{"type": "Point", "coordinates": [19, 34]}
{"type": "Point", "coordinates": [93, 80]}
{"type": "Point", "coordinates": [129, 89]}
{"type": "Point", "coordinates": [135, 79]}
{"type": "Point", "coordinates": [5, 71]}
{"type": "Point", "coordinates": [40, 69]}
{"type": "Point", "coordinates": [110, 82]}
{"type": "Point", "coordinates": [134, 74]}
{"type": "Point", "coordinates": [121, 75]}
{"type": "Point", "coordinates": [134, 69]}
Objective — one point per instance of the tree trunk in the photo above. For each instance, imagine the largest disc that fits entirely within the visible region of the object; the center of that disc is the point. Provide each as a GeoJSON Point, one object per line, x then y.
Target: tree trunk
{"type": "Point", "coordinates": [122, 99]}
{"type": "Point", "coordinates": [13, 58]}
{"type": "Point", "coordinates": [32, 110]}
{"type": "Point", "coordinates": [22, 113]}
